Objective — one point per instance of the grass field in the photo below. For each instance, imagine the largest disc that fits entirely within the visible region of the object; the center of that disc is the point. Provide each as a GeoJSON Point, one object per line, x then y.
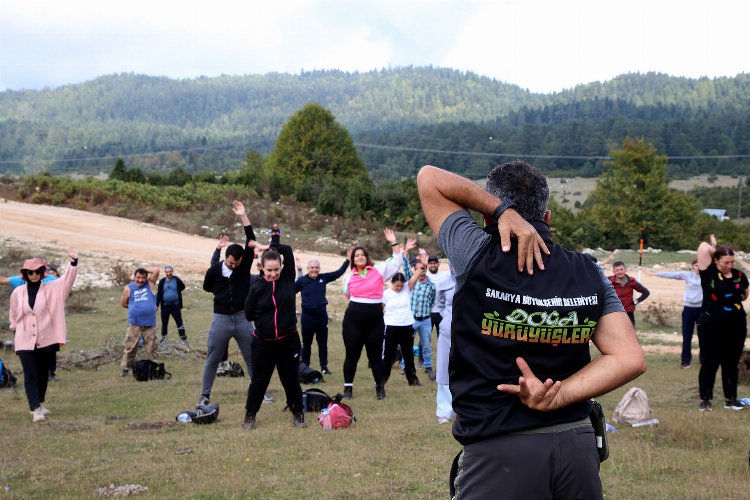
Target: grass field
{"type": "Point", "coordinates": [106, 430]}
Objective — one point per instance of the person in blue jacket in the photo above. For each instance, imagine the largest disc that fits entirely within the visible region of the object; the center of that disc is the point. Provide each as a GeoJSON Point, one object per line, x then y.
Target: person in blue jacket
{"type": "Point", "coordinates": [314, 319]}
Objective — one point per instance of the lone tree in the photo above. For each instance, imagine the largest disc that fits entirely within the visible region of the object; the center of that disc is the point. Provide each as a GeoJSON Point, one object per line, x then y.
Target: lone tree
{"type": "Point", "coordinates": [315, 156]}
{"type": "Point", "coordinates": [634, 193]}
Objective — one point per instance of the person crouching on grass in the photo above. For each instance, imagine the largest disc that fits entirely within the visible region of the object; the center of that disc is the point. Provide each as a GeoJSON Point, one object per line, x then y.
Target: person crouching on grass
{"type": "Point", "coordinates": [271, 305]}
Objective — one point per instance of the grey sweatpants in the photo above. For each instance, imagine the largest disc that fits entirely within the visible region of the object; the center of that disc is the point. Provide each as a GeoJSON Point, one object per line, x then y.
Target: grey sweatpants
{"type": "Point", "coordinates": [223, 328]}
{"type": "Point", "coordinates": [521, 466]}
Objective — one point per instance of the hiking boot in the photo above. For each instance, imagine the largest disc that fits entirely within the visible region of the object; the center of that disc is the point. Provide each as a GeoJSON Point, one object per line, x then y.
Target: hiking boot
{"type": "Point", "coordinates": [124, 373]}
{"type": "Point", "coordinates": [267, 398]}
{"type": "Point", "coordinates": [249, 422]}
{"type": "Point", "coordinates": [705, 405]}
{"type": "Point", "coordinates": [348, 392]}
{"type": "Point", "coordinates": [298, 420]}
{"type": "Point", "coordinates": [37, 415]}
{"type": "Point", "coordinates": [380, 392]}
{"type": "Point", "coordinates": [202, 401]}
{"type": "Point", "coordinates": [325, 371]}
{"type": "Point", "coordinates": [184, 340]}
{"type": "Point", "coordinates": [430, 373]}
{"type": "Point", "coordinates": [733, 404]}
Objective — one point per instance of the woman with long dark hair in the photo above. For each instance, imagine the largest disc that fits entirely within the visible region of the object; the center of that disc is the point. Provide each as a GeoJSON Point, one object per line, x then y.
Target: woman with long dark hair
{"type": "Point", "coordinates": [37, 315]}
{"type": "Point", "coordinates": [722, 326]}
{"type": "Point", "coordinates": [363, 320]}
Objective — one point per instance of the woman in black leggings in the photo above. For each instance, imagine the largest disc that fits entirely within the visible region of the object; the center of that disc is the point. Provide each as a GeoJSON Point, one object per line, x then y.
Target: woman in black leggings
{"type": "Point", "coordinates": [363, 320]}
{"type": "Point", "coordinates": [722, 326]}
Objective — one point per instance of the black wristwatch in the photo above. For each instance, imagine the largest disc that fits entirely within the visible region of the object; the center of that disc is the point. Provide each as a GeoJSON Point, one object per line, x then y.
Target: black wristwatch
{"type": "Point", "coordinates": [505, 204]}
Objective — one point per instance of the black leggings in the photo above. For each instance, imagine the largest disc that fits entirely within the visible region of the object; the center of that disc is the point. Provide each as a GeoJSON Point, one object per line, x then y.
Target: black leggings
{"type": "Point", "coordinates": [721, 342]}
{"type": "Point", "coordinates": [399, 336]}
{"type": "Point", "coordinates": [284, 356]}
{"type": "Point", "coordinates": [36, 365]}
{"type": "Point", "coordinates": [363, 327]}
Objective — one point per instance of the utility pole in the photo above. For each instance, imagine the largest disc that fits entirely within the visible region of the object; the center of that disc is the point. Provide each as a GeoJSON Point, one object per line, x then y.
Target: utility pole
{"type": "Point", "coordinates": [739, 201]}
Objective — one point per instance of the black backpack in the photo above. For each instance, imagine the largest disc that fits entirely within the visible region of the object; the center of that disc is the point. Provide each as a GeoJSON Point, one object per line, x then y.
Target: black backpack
{"type": "Point", "coordinates": [7, 379]}
{"type": "Point", "coordinates": [205, 414]}
{"type": "Point", "coordinates": [309, 376]}
{"type": "Point", "coordinates": [229, 369]}
{"type": "Point", "coordinates": [315, 400]}
{"type": "Point", "coordinates": [145, 369]}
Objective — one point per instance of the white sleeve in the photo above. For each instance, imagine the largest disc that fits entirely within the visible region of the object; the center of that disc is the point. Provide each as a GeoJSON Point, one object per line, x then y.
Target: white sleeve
{"type": "Point", "coordinates": [390, 266]}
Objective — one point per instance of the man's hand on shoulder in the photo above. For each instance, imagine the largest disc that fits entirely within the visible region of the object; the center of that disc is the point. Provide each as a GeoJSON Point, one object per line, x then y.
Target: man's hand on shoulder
{"type": "Point", "coordinates": [530, 244]}
{"type": "Point", "coordinates": [537, 395]}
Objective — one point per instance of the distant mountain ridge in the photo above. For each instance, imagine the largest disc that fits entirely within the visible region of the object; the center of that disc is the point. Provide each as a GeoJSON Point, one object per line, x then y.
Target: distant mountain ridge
{"type": "Point", "coordinates": [209, 123]}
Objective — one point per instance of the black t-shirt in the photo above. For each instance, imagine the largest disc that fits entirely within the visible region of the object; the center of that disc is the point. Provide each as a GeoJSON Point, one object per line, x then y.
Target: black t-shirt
{"type": "Point", "coordinates": [722, 295]}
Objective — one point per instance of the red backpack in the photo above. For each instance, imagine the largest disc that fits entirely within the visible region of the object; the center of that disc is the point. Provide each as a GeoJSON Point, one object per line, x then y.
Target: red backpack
{"type": "Point", "coordinates": [337, 416]}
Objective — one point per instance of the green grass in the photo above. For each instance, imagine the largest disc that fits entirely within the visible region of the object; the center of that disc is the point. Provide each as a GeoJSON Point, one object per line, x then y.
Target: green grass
{"type": "Point", "coordinates": [108, 430]}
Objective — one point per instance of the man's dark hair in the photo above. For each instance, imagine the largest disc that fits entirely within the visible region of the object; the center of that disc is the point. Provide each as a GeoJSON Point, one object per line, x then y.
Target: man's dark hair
{"type": "Point", "coordinates": [140, 270]}
{"type": "Point", "coordinates": [523, 184]}
{"type": "Point", "coordinates": [235, 250]}
{"type": "Point", "coordinates": [618, 264]}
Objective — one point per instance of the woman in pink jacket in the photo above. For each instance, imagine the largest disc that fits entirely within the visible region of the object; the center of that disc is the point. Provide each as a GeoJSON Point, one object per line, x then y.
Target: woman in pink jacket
{"type": "Point", "coordinates": [37, 315]}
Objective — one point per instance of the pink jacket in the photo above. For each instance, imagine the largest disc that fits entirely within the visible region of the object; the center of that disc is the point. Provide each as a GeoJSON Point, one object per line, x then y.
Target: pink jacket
{"type": "Point", "coordinates": [45, 325]}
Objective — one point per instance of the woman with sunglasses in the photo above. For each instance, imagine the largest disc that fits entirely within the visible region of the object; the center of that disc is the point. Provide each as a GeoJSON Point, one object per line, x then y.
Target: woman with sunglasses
{"type": "Point", "coordinates": [37, 316]}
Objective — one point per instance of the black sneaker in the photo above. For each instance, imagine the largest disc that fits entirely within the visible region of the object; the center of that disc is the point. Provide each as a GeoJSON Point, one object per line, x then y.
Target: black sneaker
{"type": "Point", "coordinates": [298, 420]}
{"type": "Point", "coordinates": [202, 401]}
{"type": "Point", "coordinates": [380, 392]}
{"type": "Point", "coordinates": [163, 339]}
{"type": "Point", "coordinates": [348, 392]}
{"type": "Point", "coordinates": [705, 405]}
{"type": "Point", "coordinates": [249, 422]}
{"type": "Point", "coordinates": [685, 365]}
{"type": "Point", "coordinates": [325, 371]}
{"type": "Point", "coordinates": [733, 404]}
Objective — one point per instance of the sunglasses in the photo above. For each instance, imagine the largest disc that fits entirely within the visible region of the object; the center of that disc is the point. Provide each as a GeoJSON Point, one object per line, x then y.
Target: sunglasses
{"type": "Point", "coordinates": [35, 271]}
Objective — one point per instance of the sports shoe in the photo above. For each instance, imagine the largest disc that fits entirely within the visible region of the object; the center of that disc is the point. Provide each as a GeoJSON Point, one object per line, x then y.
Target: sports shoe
{"type": "Point", "coordinates": [184, 340]}
{"type": "Point", "coordinates": [325, 371]}
{"type": "Point", "coordinates": [45, 411]}
{"type": "Point", "coordinates": [348, 392]}
{"type": "Point", "coordinates": [298, 420]}
{"type": "Point", "coordinates": [202, 401]}
{"type": "Point", "coordinates": [124, 373]}
{"type": "Point", "coordinates": [443, 420]}
{"type": "Point", "coordinates": [249, 422]}
{"type": "Point", "coordinates": [685, 365]}
{"type": "Point", "coordinates": [267, 398]}
{"type": "Point", "coordinates": [53, 377]}
{"type": "Point", "coordinates": [733, 404]}
{"type": "Point", "coordinates": [705, 405]}
{"type": "Point", "coordinates": [37, 415]}
{"type": "Point", "coordinates": [430, 373]}
{"type": "Point", "coordinates": [163, 339]}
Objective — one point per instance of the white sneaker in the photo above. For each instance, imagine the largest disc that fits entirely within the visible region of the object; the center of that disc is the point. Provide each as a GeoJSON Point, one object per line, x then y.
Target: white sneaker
{"type": "Point", "coordinates": [45, 411]}
{"type": "Point", "coordinates": [443, 420]}
{"type": "Point", "coordinates": [37, 415]}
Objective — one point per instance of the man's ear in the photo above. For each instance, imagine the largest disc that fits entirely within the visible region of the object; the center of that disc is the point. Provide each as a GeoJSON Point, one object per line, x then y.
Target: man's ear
{"type": "Point", "coordinates": [547, 217]}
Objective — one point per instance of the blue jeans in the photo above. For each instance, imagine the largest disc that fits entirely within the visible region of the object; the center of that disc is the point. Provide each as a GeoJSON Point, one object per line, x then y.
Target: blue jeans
{"type": "Point", "coordinates": [424, 328]}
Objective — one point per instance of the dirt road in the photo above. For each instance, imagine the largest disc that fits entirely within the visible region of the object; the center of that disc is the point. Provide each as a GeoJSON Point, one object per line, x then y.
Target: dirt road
{"type": "Point", "coordinates": [104, 240]}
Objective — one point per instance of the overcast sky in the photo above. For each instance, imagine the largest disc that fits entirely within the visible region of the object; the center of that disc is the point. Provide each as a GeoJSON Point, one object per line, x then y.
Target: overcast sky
{"type": "Point", "coordinates": [544, 46]}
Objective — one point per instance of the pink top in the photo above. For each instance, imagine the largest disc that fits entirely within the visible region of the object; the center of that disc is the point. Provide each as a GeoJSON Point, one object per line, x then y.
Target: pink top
{"type": "Point", "coordinates": [367, 287]}
{"type": "Point", "coordinates": [45, 324]}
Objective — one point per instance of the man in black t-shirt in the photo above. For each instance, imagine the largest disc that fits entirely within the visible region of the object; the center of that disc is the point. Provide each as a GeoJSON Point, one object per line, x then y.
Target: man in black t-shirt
{"type": "Point", "coordinates": [519, 368]}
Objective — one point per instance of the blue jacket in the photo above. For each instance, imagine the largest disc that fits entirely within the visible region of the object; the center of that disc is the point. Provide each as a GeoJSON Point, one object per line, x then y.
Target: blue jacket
{"type": "Point", "coordinates": [314, 290]}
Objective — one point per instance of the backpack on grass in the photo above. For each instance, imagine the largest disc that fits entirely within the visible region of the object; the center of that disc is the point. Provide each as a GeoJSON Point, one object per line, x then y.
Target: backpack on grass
{"type": "Point", "coordinates": [145, 369]}
{"type": "Point", "coordinates": [229, 369]}
{"type": "Point", "coordinates": [337, 416]}
{"type": "Point", "coordinates": [204, 414]}
{"type": "Point", "coordinates": [309, 376]}
{"type": "Point", "coordinates": [633, 408]}
{"type": "Point", "coordinates": [7, 379]}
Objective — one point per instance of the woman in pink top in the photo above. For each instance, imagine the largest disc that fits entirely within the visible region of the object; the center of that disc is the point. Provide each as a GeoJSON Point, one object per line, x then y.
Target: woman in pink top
{"type": "Point", "coordinates": [37, 315]}
{"type": "Point", "coordinates": [363, 320]}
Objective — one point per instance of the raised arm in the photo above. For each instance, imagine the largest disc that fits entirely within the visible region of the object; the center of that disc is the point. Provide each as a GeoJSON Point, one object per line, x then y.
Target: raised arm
{"type": "Point", "coordinates": [706, 253]}
{"type": "Point", "coordinates": [223, 242]}
{"type": "Point", "coordinates": [333, 276]}
{"type": "Point", "coordinates": [153, 274]}
{"type": "Point", "coordinates": [442, 193]}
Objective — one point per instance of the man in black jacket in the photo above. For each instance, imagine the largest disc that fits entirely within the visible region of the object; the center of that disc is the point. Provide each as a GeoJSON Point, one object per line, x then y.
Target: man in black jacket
{"type": "Point", "coordinates": [229, 280]}
{"type": "Point", "coordinates": [169, 298]}
{"type": "Point", "coordinates": [520, 370]}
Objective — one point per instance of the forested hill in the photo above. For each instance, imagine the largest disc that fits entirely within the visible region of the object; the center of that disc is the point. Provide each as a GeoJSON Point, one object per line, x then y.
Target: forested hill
{"type": "Point", "coordinates": [400, 118]}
